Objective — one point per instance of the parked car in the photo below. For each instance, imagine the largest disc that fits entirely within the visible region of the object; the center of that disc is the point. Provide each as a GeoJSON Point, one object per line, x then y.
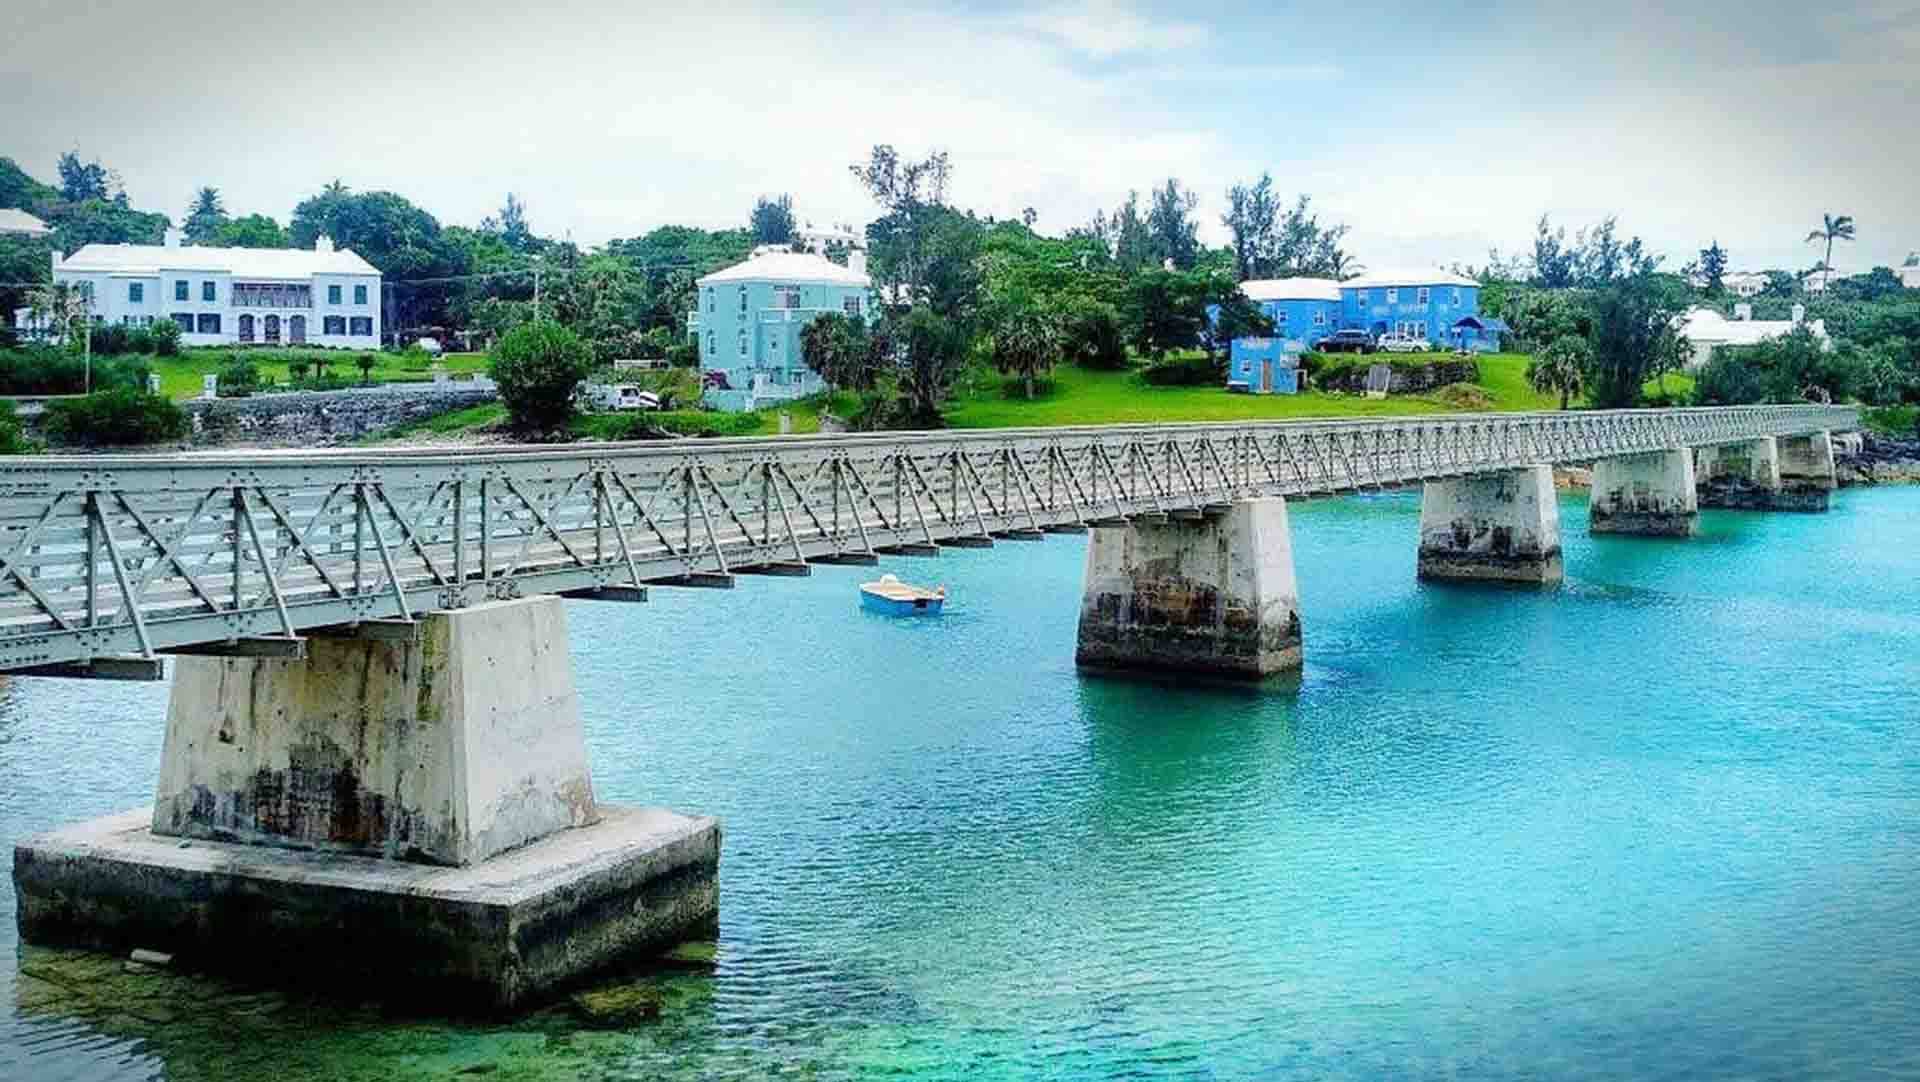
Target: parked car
{"type": "Point", "coordinates": [1348, 341]}
{"type": "Point", "coordinates": [1405, 343]}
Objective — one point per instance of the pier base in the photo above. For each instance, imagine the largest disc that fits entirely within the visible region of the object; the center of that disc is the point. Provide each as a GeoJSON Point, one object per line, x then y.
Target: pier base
{"type": "Point", "coordinates": [1651, 495]}
{"type": "Point", "coordinates": [1741, 476]}
{"type": "Point", "coordinates": [1500, 527]}
{"type": "Point", "coordinates": [1214, 595]}
{"type": "Point", "coordinates": [1807, 477]}
{"type": "Point", "coordinates": [407, 809]}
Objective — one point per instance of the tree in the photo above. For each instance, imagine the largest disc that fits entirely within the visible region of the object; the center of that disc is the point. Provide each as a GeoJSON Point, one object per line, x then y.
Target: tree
{"type": "Point", "coordinates": [1027, 341]}
{"type": "Point", "coordinates": [1634, 338]}
{"type": "Point", "coordinates": [1554, 266]}
{"type": "Point", "coordinates": [511, 226]}
{"type": "Point", "coordinates": [365, 363]}
{"type": "Point", "coordinates": [81, 181]}
{"type": "Point", "coordinates": [1595, 258]}
{"type": "Point", "coordinates": [63, 304]}
{"type": "Point", "coordinates": [1795, 367]}
{"type": "Point", "coordinates": [931, 354]}
{"type": "Point", "coordinates": [1251, 213]}
{"type": "Point", "coordinates": [1560, 368]}
{"type": "Point", "coordinates": [537, 365]}
{"type": "Point", "coordinates": [839, 349]}
{"type": "Point", "coordinates": [1230, 314]}
{"type": "Point", "coordinates": [1174, 237]}
{"type": "Point", "coordinates": [1832, 227]}
{"type": "Point", "coordinates": [772, 220]}
{"type": "Point", "coordinates": [1167, 311]}
{"type": "Point", "coordinates": [1713, 268]}
{"type": "Point", "coordinates": [205, 217]}
{"type": "Point", "coordinates": [252, 231]}
{"type": "Point", "coordinates": [906, 190]}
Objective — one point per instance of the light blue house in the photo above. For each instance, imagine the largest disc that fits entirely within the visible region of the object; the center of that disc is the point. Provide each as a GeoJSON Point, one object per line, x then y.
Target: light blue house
{"type": "Point", "coordinates": [1428, 304]}
{"type": "Point", "coordinates": [750, 317]}
{"type": "Point", "coordinates": [1303, 311]}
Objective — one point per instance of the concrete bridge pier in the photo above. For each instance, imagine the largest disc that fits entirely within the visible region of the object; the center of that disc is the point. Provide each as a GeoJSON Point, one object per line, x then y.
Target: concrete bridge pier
{"type": "Point", "coordinates": [1215, 594]}
{"type": "Point", "coordinates": [1494, 527]}
{"type": "Point", "coordinates": [408, 806]}
{"type": "Point", "coordinates": [1650, 494]}
{"type": "Point", "coordinates": [1807, 478]}
{"type": "Point", "coordinates": [1740, 476]}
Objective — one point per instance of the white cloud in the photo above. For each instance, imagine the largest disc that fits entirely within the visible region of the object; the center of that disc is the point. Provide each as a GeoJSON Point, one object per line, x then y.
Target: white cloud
{"type": "Point", "coordinates": [1103, 29]}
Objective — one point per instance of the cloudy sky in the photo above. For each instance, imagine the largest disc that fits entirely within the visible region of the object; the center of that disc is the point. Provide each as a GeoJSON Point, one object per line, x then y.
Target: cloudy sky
{"type": "Point", "coordinates": [1435, 129]}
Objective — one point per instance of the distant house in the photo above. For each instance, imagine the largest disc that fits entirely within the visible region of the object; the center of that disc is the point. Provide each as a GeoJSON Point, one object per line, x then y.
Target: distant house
{"type": "Point", "coordinates": [18, 223]}
{"type": "Point", "coordinates": [1303, 311]}
{"type": "Point", "coordinates": [1705, 328]}
{"type": "Point", "coordinates": [750, 317]}
{"type": "Point", "coordinates": [230, 296]}
{"type": "Point", "coordinates": [1909, 275]}
{"type": "Point", "coordinates": [1743, 283]}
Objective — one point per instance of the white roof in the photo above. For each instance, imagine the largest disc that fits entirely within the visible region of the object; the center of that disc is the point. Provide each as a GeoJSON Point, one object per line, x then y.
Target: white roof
{"type": "Point", "coordinates": [1291, 289]}
{"type": "Point", "coordinates": [19, 221]}
{"type": "Point", "coordinates": [240, 262]}
{"type": "Point", "coordinates": [1707, 326]}
{"type": "Point", "coordinates": [789, 267]}
{"type": "Point", "coordinates": [1416, 276]}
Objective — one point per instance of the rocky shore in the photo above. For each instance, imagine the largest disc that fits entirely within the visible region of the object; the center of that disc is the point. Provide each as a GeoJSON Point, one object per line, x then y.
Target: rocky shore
{"type": "Point", "coordinates": [1881, 460]}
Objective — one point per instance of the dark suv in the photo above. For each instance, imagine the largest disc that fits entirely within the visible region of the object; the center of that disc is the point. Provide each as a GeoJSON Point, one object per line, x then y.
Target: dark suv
{"type": "Point", "coordinates": [1349, 341]}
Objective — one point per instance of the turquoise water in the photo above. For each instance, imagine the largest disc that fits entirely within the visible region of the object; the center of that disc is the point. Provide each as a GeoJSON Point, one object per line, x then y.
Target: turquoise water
{"type": "Point", "coordinates": [1659, 823]}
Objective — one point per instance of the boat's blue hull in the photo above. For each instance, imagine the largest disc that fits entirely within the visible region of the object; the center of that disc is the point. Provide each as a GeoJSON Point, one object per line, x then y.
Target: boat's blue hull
{"type": "Point", "coordinates": [916, 607]}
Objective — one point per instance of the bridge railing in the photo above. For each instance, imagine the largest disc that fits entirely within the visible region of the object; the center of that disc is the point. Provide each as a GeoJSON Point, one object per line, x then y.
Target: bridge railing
{"type": "Point", "coordinates": [107, 556]}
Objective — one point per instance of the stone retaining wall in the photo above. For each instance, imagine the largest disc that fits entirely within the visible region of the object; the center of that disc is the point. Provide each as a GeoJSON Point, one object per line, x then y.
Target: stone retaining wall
{"type": "Point", "coordinates": [321, 418]}
{"type": "Point", "coordinates": [1410, 380]}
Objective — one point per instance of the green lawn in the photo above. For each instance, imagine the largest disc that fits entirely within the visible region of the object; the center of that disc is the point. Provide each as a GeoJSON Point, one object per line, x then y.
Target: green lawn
{"type": "Point", "coordinates": [1077, 396]}
{"type": "Point", "coordinates": [606, 426]}
{"type": "Point", "coordinates": [180, 377]}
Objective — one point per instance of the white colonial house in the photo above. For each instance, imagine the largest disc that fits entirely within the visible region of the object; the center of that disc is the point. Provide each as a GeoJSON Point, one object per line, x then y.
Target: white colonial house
{"type": "Point", "coordinates": [1909, 275]}
{"type": "Point", "coordinates": [19, 223]}
{"type": "Point", "coordinates": [230, 296]}
{"type": "Point", "coordinates": [1705, 328]}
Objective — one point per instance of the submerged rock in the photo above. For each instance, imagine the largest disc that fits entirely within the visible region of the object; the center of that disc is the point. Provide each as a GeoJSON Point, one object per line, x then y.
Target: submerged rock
{"type": "Point", "coordinates": [617, 1006]}
{"type": "Point", "coordinates": [694, 954]}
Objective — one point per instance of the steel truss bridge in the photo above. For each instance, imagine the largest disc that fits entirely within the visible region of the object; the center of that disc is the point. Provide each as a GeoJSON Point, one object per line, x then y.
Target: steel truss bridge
{"type": "Point", "coordinates": [107, 562]}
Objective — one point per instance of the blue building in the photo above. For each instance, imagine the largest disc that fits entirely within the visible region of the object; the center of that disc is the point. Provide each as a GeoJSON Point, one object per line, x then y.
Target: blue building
{"type": "Point", "coordinates": [750, 318]}
{"type": "Point", "coordinates": [1303, 311]}
{"type": "Point", "coordinates": [1428, 304]}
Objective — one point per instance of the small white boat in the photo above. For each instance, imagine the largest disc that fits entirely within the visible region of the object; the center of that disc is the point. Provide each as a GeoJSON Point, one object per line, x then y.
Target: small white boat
{"type": "Point", "coordinates": [896, 598]}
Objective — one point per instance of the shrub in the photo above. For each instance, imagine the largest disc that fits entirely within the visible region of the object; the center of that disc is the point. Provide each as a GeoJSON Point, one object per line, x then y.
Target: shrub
{"type": "Point", "coordinates": [118, 417]}
{"type": "Point", "coordinates": [683, 355]}
{"type": "Point", "coordinates": [1464, 396]}
{"type": "Point", "coordinates": [365, 363]}
{"type": "Point", "coordinates": [1093, 337]}
{"type": "Point", "coordinates": [537, 366]}
{"type": "Point", "coordinates": [109, 338]}
{"type": "Point", "coordinates": [165, 334]}
{"type": "Point", "coordinates": [50, 370]}
{"type": "Point", "coordinates": [239, 378]}
{"type": "Point", "coordinates": [1194, 372]}
{"type": "Point", "coordinates": [13, 438]}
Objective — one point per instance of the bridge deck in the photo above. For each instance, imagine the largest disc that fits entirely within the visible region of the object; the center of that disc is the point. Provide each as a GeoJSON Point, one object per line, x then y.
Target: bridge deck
{"type": "Point", "coordinates": [108, 556]}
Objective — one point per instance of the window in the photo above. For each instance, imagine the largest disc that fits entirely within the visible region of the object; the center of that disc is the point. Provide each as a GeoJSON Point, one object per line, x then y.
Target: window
{"type": "Point", "coordinates": [743, 309]}
{"type": "Point", "coordinates": [1393, 296]}
{"type": "Point", "coordinates": [333, 294]}
{"type": "Point", "coordinates": [786, 296]}
{"type": "Point", "coordinates": [333, 325]}
{"type": "Point", "coordinates": [1280, 317]}
{"type": "Point", "coordinates": [136, 292]}
{"type": "Point", "coordinates": [360, 295]}
{"type": "Point", "coordinates": [1456, 295]}
{"type": "Point", "coordinates": [1361, 297]}
{"type": "Point", "coordinates": [180, 290]}
{"type": "Point", "coordinates": [713, 344]}
{"type": "Point", "coordinates": [743, 334]}
{"type": "Point", "coordinates": [185, 320]}
{"type": "Point", "coordinates": [850, 305]}
{"type": "Point", "coordinates": [207, 292]}
{"type": "Point", "coordinates": [709, 304]}
{"type": "Point", "coordinates": [209, 323]}
{"type": "Point", "coordinates": [361, 326]}
{"type": "Point", "coordinates": [1421, 295]}
{"type": "Point", "coordinates": [1319, 317]}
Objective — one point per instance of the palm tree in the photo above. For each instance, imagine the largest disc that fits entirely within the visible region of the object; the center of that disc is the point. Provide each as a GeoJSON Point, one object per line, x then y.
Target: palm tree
{"type": "Point", "coordinates": [1026, 343]}
{"type": "Point", "coordinates": [62, 303]}
{"type": "Point", "coordinates": [1832, 227]}
{"type": "Point", "coordinates": [1561, 368]}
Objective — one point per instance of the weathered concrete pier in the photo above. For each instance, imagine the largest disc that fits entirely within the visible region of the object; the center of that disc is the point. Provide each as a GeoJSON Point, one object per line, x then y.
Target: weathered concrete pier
{"type": "Point", "coordinates": [374, 767]}
{"type": "Point", "coordinates": [1788, 473]}
{"type": "Point", "coordinates": [408, 806]}
{"type": "Point", "coordinates": [1496, 527]}
{"type": "Point", "coordinates": [1209, 593]}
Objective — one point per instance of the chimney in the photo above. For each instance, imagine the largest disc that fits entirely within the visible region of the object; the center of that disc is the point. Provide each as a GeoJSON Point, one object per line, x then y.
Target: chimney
{"type": "Point", "coordinates": [323, 243]}
{"type": "Point", "coordinates": [173, 238]}
{"type": "Point", "coordinates": [1743, 311]}
{"type": "Point", "coordinates": [857, 260]}
{"type": "Point", "coordinates": [1799, 314]}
